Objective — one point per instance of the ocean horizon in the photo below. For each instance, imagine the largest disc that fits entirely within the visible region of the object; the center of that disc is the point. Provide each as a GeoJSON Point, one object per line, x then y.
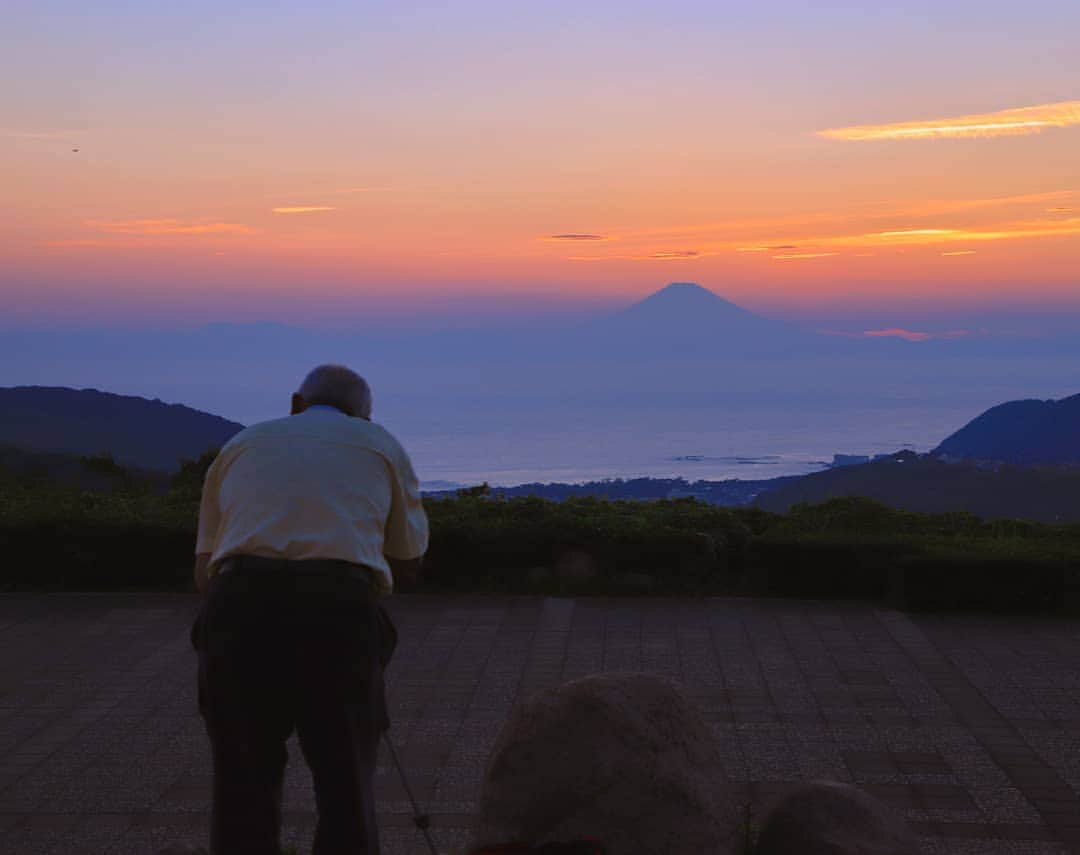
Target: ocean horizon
{"type": "Point", "coordinates": [711, 445]}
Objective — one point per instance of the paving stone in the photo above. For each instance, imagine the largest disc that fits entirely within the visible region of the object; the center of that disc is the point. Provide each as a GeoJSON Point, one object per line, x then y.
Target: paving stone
{"type": "Point", "coordinates": [969, 725]}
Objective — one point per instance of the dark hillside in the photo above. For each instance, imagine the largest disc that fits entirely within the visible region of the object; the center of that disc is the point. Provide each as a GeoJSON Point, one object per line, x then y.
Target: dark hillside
{"type": "Point", "coordinates": [927, 485]}
{"type": "Point", "coordinates": [1025, 433]}
{"type": "Point", "coordinates": [135, 431]}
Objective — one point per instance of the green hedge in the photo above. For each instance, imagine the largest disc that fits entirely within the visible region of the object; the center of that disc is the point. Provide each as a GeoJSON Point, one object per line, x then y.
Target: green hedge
{"type": "Point", "coordinates": [491, 544]}
{"type": "Point", "coordinates": [54, 538]}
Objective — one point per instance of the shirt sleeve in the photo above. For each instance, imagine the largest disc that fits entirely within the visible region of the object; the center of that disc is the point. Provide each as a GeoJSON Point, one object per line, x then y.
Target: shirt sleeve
{"type": "Point", "coordinates": [209, 509]}
{"type": "Point", "coordinates": [407, 524]}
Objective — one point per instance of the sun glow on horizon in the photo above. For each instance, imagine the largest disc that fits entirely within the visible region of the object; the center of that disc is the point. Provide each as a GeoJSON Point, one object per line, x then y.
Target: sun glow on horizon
{"type": "Point", "coordinates": [343, 153]}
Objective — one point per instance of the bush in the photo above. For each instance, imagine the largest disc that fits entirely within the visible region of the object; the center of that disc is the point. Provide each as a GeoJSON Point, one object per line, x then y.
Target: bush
{"type": "Point", "coordinates": [55, 537]}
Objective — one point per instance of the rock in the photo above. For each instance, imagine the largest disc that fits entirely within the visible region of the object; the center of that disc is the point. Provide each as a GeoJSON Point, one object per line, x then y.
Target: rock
{"type": "Point", "coordinates": [575, 566]}
{"type": "Point", "coordinates": [622, 757]}
{"type": "Point", "coordinates": [831, 818]}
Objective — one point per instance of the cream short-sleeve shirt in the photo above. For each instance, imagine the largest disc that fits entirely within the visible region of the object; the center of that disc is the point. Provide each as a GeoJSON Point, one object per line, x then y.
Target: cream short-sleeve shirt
{"type": "Point", "coordinates": [319, 484]}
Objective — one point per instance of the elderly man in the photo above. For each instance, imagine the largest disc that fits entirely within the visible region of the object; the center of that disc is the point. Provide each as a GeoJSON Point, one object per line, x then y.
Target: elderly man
{"type": "Point", "coordinates": [305, 522]}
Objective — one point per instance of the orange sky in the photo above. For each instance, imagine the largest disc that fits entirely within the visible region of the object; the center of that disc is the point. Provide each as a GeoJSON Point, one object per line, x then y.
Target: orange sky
{"type": "Point", "coordinates": [345, 174]}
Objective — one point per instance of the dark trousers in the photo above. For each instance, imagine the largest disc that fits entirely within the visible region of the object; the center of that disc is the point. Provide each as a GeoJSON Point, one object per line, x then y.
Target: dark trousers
{"type": "Point", "coordinates": [284, 647]}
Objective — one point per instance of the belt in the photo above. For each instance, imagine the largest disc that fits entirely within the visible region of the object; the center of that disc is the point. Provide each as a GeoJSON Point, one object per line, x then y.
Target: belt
{"type": "Point", "coordinates": [258, 564]}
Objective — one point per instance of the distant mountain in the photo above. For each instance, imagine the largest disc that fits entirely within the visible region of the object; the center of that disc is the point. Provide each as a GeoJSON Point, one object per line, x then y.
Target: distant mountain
{"type": "Point", "coordinates": [683, 317]}
{"type": "Point", "coordinates": [135, 431]}
{"type": "Point", "coordinates": [1025, 433]}
{"type": "Point", "coordinates": [683, 305]}
{"type": "Point", "coordinates": [923, 483]}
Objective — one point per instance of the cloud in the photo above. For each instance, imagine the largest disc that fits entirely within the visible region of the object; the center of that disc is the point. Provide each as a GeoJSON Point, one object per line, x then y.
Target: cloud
{"type": "Point", "coordinates": [9, 133]}
{"type": "Point", "coordinates": [794, 255]}
{"type": "Point", "coordinates": [960, 252]}
{"type": "Point", "coordinates": [75, 242]}
{"type": "Point", "coordinates": [1014, 122]}
{"type": "Point", "coordinates": [911, 335]}
{"type": "Point", "coordinates": [166, 227]}
{"type": "Point", "coordinates": [1007, 231]}
{"type": "Point", "coordinates": [896, 332]}
{"type": "Point", "coordinates": [345, 190]}
{"type": "Point", "coordinates": [309, 209]}
{"type": "Point", "coordinates": [656, 255]}
{"type": "Point", "coordinates": [676, 253]}
{"type": "Point", "coordinates": [945, 206]}
{"type": "Point", "coordinates": [904, 233]}
{"type": "Point", "coordinates": [792, 231]}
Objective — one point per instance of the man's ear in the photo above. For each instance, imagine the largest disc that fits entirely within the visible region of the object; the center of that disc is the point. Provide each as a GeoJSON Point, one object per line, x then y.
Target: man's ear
{"type": "Point", "coordinates": [298, 404]}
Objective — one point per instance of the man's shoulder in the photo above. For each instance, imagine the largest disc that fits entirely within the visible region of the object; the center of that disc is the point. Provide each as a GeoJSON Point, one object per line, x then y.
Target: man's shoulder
{"type": "Point", "coordinates": [345, 430]}
{"type": "Point", "coordinates": [269, 427]}
{"type": "Point", "coordinates": [384, 441]}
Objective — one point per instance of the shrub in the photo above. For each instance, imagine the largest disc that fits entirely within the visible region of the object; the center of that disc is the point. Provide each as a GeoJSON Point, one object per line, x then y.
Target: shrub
{"type": "Point", "coordinates": [54, 537]}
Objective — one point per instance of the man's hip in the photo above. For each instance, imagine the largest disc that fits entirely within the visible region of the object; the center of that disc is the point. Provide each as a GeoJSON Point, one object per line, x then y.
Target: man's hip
{"type": "Point", "coordinates": [283, 590]}
{"type": "Point", "coordinates": [312, 573]}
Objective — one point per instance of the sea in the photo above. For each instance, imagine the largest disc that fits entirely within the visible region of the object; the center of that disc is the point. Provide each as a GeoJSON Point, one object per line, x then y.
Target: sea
{"type": "Point", "coordinates": [714, 444]}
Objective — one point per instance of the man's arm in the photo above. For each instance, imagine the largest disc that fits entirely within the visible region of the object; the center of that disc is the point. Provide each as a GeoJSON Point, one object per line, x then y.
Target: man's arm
{"type": "Point", "coordinates": [209, 523]}
{"type": "Point", "coordinates": [407, 526]}
{"type": "Point", "coordinates": [202, 574]}
{"type": "Point", "coordinates": [406, 572]}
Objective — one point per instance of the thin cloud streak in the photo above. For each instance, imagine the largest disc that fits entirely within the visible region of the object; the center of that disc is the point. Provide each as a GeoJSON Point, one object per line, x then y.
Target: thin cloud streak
{"type": "Point", "coordinates": [910, 335]}
{"type": "Point", "coordinates": [1014, 122]}
{"type": "Point", "coordinates": [897, 332]}
{"type": "Point", "coordinates": [1011, 231]}
{"type": "Point", "coordinates": [346, 190]}
{"type": "Point", "coordinates": [946, 206]}
{"type": "Point", "coordinates": [576, 237]}
{"type": "Point", "coordinates": [8, 133]}
{"type": "Point", "coordinates": [167, 227]}
{"type": "Point", "coordinates": [884, 210]}
{"type": "Point", "coordinates": [931, 236]}
{"type": "Point", "coordinates": [819, 246]}
{"type": "Point", "coordinates": [306, 209]}
{"type": "Point", "coordinates": [76, 242]}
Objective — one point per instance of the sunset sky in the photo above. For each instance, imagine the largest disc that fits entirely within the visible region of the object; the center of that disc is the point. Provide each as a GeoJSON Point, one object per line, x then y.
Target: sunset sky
{"type": "Point", "coordinates": [198, 162]}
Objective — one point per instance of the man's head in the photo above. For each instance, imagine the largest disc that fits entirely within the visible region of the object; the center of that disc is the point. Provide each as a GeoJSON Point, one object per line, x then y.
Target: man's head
{"type": "Point", "coordinates": [334, 386]}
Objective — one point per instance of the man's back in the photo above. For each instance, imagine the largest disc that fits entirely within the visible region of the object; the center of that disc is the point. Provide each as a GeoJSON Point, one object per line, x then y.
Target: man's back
{"type": "Point", "coordinates": [319, 484]}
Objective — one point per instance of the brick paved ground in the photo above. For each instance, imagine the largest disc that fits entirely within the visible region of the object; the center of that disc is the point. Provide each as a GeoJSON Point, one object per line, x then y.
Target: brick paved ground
{"type": "Point", "coordinates": [969, 726]}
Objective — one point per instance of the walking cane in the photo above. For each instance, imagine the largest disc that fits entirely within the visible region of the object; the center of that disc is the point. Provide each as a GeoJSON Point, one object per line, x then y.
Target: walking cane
{"type": "Point", "coordinates": [421, 820]}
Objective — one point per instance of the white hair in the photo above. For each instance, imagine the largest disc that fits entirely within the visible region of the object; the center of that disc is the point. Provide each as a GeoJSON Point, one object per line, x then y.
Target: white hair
{"type": "Point", "coordinates": [337, 386]}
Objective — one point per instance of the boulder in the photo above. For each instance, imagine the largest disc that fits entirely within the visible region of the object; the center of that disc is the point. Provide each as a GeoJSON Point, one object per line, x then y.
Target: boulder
{"type": "Point", "coordinates": [622, 757]}
{"type": "Point", "coordinates": [831, 818]}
